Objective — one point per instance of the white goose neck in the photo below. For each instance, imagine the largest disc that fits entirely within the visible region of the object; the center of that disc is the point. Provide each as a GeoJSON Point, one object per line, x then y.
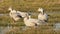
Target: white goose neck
{"type": "Point", "coordinates": [42, 12]}
{"type": "Point", "coordinates": [26, 18]}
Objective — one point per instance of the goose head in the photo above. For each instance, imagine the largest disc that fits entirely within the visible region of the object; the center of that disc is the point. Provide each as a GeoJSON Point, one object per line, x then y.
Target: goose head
{"type": "Point", "coordinates": [41, 10]}
{"type": "Point", "coordinates": [10, 8]}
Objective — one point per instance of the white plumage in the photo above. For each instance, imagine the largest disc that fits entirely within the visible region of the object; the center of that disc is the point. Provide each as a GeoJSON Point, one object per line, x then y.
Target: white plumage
{"type": "Point", "coordinates": [23, 14]}
{"type": "Point", "coordinates": [13, 14]}
{"type": "Point", "coordinates": [42, 15]}
{"type": "Point", "coordinates": [31, 22]}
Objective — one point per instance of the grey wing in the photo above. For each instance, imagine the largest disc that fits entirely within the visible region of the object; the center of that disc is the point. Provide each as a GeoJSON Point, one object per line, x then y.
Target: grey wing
{"type": "Point", "coordinates": [18, 14]}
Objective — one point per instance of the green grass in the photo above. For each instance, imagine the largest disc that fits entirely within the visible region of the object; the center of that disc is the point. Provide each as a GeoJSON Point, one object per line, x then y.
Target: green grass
{"type": "Point", "coordinates": [51, 7]}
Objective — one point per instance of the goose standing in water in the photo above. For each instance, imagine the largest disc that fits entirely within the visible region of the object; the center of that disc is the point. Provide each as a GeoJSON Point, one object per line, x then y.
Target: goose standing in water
{"type": "Point", "coordinates": [42, 16]}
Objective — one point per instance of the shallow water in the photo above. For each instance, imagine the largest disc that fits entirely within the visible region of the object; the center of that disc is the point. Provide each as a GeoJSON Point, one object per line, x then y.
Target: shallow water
{"type": "Point", "coordinates": [35, 13]}
{"type": "Point", "coordinates": [57, 26]}
{"type": "Point", "coordinates": [4, 14]}
{"type": "Point", "coordinates": [3, 30]}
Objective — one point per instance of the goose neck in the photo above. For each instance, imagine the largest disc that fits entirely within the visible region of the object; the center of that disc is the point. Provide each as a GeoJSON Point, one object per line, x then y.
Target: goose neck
{"type": "Point", "coordinates": [26, 18]}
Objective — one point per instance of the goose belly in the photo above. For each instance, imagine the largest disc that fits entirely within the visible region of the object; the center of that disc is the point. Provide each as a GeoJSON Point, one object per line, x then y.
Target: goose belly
{"type": "Point", "coordinates": [28, 23]}
{"type": "Point", "coordinates": [42, 17]}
